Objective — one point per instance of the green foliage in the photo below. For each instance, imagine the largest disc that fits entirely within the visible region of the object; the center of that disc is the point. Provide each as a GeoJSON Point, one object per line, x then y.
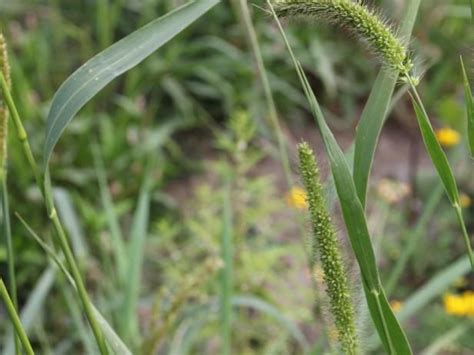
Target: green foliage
{"type": "Point", "coordinates": [193, 127]}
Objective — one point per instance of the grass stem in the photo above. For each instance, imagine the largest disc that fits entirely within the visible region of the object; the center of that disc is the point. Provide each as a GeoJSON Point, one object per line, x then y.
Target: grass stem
{"type": "Point", "coordinates": [20, 331]}
{"type": "Point", "coordinates": [272, 111]}
{"type": "Point", "coordinates": [63, 241]}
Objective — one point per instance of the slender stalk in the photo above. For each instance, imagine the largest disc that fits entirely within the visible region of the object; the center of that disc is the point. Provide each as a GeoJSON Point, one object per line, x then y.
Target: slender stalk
{"type": "Point", "coordinates": [451, 191]}
{"type": "Point", "coordinates": [311, 260]}
{"type": "Point", "coordinates": [4, 116]}
{"type": "Point", "coordinates": [271, 107]}
{"type": "Point", "coordinates": [10, 254]}
{"type": "Point", "coordinates": [63, 240]}
{"type": "Point", "coordinates": [15, 319]}
{"type": "Point", "coordinates": [226, 279]}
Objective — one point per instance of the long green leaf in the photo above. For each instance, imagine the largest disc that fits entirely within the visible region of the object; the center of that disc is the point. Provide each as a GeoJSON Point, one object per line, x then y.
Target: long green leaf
{"type": "Point", "coordinates": [136, 247]}
{"type": "Point", "coordinates": [94, 75]}
{"type": "Point", "coordinates": [425, 295]}
{"type": "Point", "coordinates": [15, 319]}
{"type": "Point", "coordinates": [437, 154]}
{"type": "Point", "coordinates": [33, 306]}
{"type": "Point", "coordinates": [271, 311]}
{"type": "Point", "coordinates": [469, 109]}
{"type": "Point", "coordinates": [375, 112]}
{"type": "Point", "coordinates": [440, 161]}
{"type": "Point", "coordinates": [114, 341]}
{"type": "Point", "coordinates": [389, 329]}
{"type": "Point", "coordinates": [434, 288]}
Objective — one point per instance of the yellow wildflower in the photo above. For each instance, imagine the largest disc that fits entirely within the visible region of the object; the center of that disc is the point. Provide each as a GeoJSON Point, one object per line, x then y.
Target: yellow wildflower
{"type": "Point", "coordinates": [392, 191]}
{"type": "Point", "coordinates": [464, 200]}
{"type": "Point", "coordinates": [396, 305]}
{"type": "Point", "coordinates": [448, 137]}
{"type": "Point", "coordinates": [296, 198]}
{"type": "Point", "coordinates": [459, 305]}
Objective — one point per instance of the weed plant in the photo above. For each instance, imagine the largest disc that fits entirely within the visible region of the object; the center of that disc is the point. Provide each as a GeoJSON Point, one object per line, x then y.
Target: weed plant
{"type": "Point", "coordinates": [220, 269]}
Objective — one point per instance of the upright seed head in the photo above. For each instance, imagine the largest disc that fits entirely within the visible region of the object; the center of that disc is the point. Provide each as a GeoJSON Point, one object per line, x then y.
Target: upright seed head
{"type": "Point", "coordinates": [5, 69]}
{"type": "Point", "coordinates": [357, 18]}
{"type": "Point", "coordinates": [326, 245]}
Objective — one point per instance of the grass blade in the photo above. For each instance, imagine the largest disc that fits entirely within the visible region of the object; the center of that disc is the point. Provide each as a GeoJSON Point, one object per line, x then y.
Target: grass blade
{"type": "Point", "coordinates": [433, 288]}
{"type": "Point", "coordinates": [440, 161]}
{"type": "Point", "coordinates": [94, 75]}
{"type": "Point", "coordinates": [15, 319]}
{"type": "Point", "coordinates": [226, 279]}
{"type": "Point", "coordinates": [136, 248]}
{"type": "Point", "coordinates": [68, 214]}
{"type": "Point", "coordinates": [389, 330]}
{"type": "Point", "coordinates": [413, 239]}
{"type": "Point", "coordinates": [469, 108]}
{"type": "Point", "coordinates": [446, 339]}
{"type": "Point", "coordinates": [9, 246]}
{"type": "Point", "coordinates": [272, 312]}
{"type": "Point", "coordinates": [375, 112]}
{"type": "Point", "coordinates": [113, 340]}
{"type": "Point", "coordinates": [34, 305]}
{"type": "Point", "coordinates": [112, 219]}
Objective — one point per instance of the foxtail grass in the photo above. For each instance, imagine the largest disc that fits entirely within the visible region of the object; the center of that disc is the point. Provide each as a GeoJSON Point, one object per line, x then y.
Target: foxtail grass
{"type": "Point", "coordinates": [22, 136]}
{"type": "Point", "coordinates": [325, 245]}
{"type": "Point", "coordinates": [5, 70]}
{"type": "Point", "coordinates": [358, 19]}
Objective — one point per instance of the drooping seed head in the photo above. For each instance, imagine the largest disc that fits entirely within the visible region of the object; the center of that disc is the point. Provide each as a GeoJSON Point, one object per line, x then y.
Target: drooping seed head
{"type": "Point", "coordinates": [357, 18]}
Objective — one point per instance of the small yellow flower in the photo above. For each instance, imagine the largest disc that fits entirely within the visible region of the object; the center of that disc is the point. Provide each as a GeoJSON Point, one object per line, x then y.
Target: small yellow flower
{"type": "Point", "coordinates": [392, 191]}
{"type": "Point", "coordinates": [448, 137]}
{"type": "Point", "coordinates": [464, 200]}
{"type": "Point", "coordinates": [396, 305]}
{"type": "Point", "coordinates": [296, 198]}
{"type": "Point", "coordinates": [459, 305]}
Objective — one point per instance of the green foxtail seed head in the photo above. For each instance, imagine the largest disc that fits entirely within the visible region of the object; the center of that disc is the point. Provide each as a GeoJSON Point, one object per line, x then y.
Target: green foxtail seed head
{"type": "Point", "coordinates": [5, 69]}
{"type": "Point", "coordinates": [357, 18]}
{"type": "Point", "coordinates": [326, 245]}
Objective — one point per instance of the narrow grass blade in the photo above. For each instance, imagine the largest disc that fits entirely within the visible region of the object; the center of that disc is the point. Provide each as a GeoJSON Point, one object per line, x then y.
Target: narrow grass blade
{"type": "Point", "coordinates": [94, 75]}
{"type": "Point", "coordinates": [9, 246]}
{"type": "Point", "coordinates": [447, 339]}
{"type": "Point", "coordinates": [15, 319]}
{"type": "Point", "coordinates": [113, 340]}
{"type": "Point", "coordinates": [79, 323]}
{"type": "Point", "coordinates": [33, 306]}
{"type": "Point", "coordinates": [69, 217]}
{"type": "Point", "coordinates": [201, 315]}
{"type": "Point", "coordinates": [434, 288]}
{"type": "Point", "coordinates": [136, 249]}
{"type": "Point", "coordinates": [440, 161]}
{"type": "Point", "coordinates": [375, 111]}
{"type": "Point", "coordinates": [389, 330]}
{"type": "Point", "coordinates": [226, 275]}
{"type": "Point", "coordinates": [112, 219]}
{"type": "Point", "coordinates": [271, 311]}
{"type": "Point", "coordinates": [469, 109]}
{"type": "Point", "coordinates": [413, 239]}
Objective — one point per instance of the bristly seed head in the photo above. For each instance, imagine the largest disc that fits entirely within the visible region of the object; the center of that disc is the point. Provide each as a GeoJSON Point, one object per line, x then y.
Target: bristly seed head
{"type": "Point", "coordinates": [5, 69]}
{"type": "Point", "coordinates": [326, 245]}
{"type": "Point", "coordinates": [357, 18]}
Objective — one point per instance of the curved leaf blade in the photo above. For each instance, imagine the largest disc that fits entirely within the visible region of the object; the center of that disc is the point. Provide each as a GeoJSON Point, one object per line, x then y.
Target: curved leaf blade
{"type": "Point", "coordinates": [99, 71]}
{"type": "Point", "coordinates": [375, 112]}
{"type": "Point", "coordinates": [469, 108]}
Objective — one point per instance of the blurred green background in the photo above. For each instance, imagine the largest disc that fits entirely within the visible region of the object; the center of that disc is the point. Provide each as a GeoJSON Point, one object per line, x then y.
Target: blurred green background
{"type": "Point", "coordinates": [196, 108]}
